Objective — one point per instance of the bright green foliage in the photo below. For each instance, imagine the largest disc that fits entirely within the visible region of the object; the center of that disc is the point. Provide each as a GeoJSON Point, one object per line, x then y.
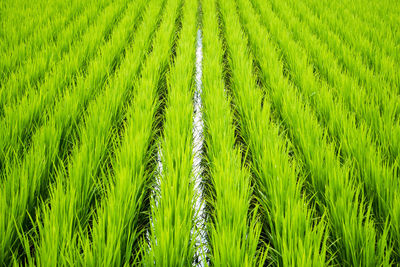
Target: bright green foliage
{"type": "Point", "coordinates": [292, 235]}
{"type": "Point", "coordinates": [354, 140]}
{"type": "Point", "coordinates": [122, 219]}
{"type": "Point", "coordinates": [82, 163]}
{"type": "Point", "coordinates": [20, 121]}
{"type": "Point", "coordinates": [378, 106]}
{"type": "Point", "coordinates": [233, 230]}
{"type": "Point", "coordinates": [27, 179]}
{"type": "Point", "coordinates": [370, 36]}
{"type": "Point", "coordinates": [20, 43]}
{"type": "Point", "coordinates": [351, 223]}
{"type": "Point", "coordinates": [174, 205]}
{"type": "Point", "coordinates": [295, 122]}
{"type": "Point", "coordinates": [34, 69]}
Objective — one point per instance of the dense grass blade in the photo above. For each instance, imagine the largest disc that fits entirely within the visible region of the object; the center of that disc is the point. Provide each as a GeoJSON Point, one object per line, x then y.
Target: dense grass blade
{"type": "Point", "coordinates": [20, 53]}
{"type": "Point", "coordinates": [354, 47]}
{"type": "Point", "coordinates": [355, 142]}
{"type": "Point", "coordinates": [78, 180]}
{"type": "Point", "coordinates": [118, 149]}
{"type": "Point", "coordinates": [27, 180]}
{"type": "Point", "coordinates": [20, 121]}
{"type": "Point", "coordinates": [176, 206]}
{"type": "Point", "coordinates": [105, 116]}
{"type": "Point", "coordinates": [233, 231]}
{"type": "Point", "coordinates": [293, 235]}
{"type": "Point", "coordinates": [348, 216]}
{"type": "Point", "coordinates": [123, 208]}
{"type": "Point", "coordinates": [41, 23]}
{"type": "Point", "coordinates": [375, 39]}
{"type": "Point", "coordinates": [378, 108]}
{"type": "Point", "coordinates": [32, 72]}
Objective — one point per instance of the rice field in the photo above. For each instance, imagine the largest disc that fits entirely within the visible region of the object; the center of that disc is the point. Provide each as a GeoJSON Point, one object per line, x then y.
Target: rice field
{"type": "Point", "coordinates": [199, 133]}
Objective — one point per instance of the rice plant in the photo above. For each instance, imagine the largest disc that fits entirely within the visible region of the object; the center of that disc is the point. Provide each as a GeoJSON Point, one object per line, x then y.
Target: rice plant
{"type": "Point", "coordinates": [199, 133]}
{"type": "Point", "coordinates": [174, 203]}
{"type": "Point", "coordinates": [233, 229]}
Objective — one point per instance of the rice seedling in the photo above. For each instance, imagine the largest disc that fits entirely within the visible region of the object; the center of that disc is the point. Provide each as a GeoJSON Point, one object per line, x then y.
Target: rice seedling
{"type": "Point", "coordinates": [37, 17]}
{"type": "Point", "coordinates": [354, 140]}
{"type": "Point", "coordinates": [340, 124]}
{"type": "Point", "coordinates": [348, 216]}
{"type": "Point", "coordinates": [121, 144]}
{"type": "Point", "coordinates": [20, 122]}
{"type": "Point", "coordinates": [176, 206]}
{"type": "Point", "coordinates": [29, 180]}
{"type": "Point", "coordinates": [88, 157]}
{"type": "Point", "coordinates": [335, 31]}
{"type": "Point", "coordinates": [20, 52]}
{"type": "Point", "coordinates": [281, 199]}
{"type": "Point", "coordinates": [364, 21]}
{"type": "Point", "coordinates": [388, 134]}
{"type": "Point", "coordinates": [232, 230]}
{"type": "Point", "coordinates": [34, 69]}
{"type": "Point", "coordinates": [123, 207]}
{"type": "Point", "coordinates": [377, 108]}
{"type": "Point", "coordinates": [348, 56]}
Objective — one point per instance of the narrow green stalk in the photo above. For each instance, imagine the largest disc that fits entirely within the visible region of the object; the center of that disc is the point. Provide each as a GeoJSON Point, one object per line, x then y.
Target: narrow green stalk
{"type": "Point", "coordinates": [34, 69]}
{"type": "Point", "coordinates": [233, 230]}
{"type": "Point", "coordinates": [354, 240]}
{"type": "Point", "coordinates": [173, 234]}
{"type": "Point", "coordinates": [42, 23]}
{"type": "Point", "coordinates": [20, 122]}
{"type": "Point", "coordinates": [378, 108]}
{"type": "Point", "coordinates": [26, 181]}
{"type": "Point", "coordinates": [295, 238]}
{"type": "Point", "coordinates": [19, 54]}
{"type": "Point", "coordinates": [353, 45]}
{"type": "Point", "coordinates": [355, 141]}
{"type": "Point", "coordinates": [123, 208]}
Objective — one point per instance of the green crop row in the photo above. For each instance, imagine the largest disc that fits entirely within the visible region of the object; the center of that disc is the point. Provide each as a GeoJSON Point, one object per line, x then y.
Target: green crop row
{"type": "Point", "coordinates": [378, 107]}
{"type": "Point", "coordinates": [294, 237]}
{"type": "Point", "coordinates": [34, 69]}
{"type": "Point", "coordinates": [20, 121]}
{"type": "Point", "coordinates": [173, 204]}
{"type": "Point", "coordinates": [122, 218]}
{"type": "Point", "coordinates": [20, 53]}
{"type": "Point", "coordinates": [384, 66]}
{"type": "Point", "coordinates": [121, 143]}
{"type": "Point", "coordinates": [27, 179]}
{"type": "Point", "coordinates": [353, 141]}
{"type": "Point", "coordinates": [233, 231]}
{"type": "Point", "coordinates": [37, 17]}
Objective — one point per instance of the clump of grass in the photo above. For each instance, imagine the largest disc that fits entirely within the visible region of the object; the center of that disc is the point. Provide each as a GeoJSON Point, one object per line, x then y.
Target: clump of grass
{"type": "Point", "coordinates": [21, 121]}
{"type": "Point", "coordinates": [372, 101]}
{"type": "Point", "coordinates": [233, 230]}
{"type": "Point", "coordinates": [26, 180]}
{"type": "Point", "coordinates": [354, 237]}
{"type": "Point", "coordinates": [173, 234]}
{"type": "Point", "coordinates": [294, 237]}
{"type": "Point", "coordinates": [122, 220]}
{"type": "Point", "coordinates": [372, 38]}
{"type": "Point", "coordinates": [32, 71]}
{"type": "Point", "coordinates": [41, 26]}
{"type": "Point", "coordinates": [50, 144]}
{"type": "Point", "coordinates": [354, 139]}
